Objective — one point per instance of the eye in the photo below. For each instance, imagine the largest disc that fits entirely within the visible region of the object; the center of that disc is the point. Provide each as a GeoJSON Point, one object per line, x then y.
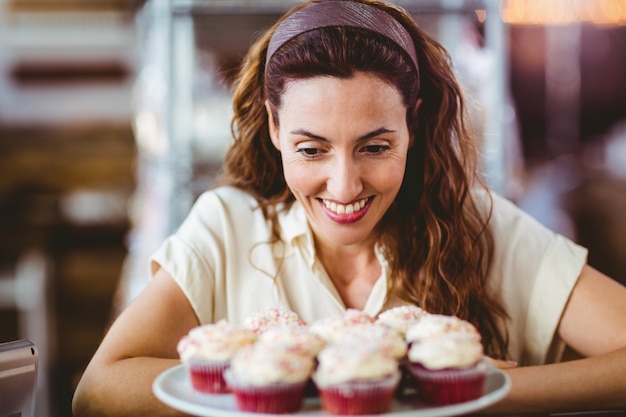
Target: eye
{"type": "Point", "coordinates": [310, 153]}
{"type": "Point", "coordinates": [375, 149]}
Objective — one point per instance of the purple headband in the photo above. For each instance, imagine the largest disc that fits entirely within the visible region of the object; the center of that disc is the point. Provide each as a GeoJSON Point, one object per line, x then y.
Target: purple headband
{"type": "Point", "coordinates": [342, 13]}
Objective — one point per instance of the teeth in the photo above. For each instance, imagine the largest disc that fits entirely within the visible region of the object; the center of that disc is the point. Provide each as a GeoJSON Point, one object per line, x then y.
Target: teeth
{"type": "Point", "coordinates": [345, 208]}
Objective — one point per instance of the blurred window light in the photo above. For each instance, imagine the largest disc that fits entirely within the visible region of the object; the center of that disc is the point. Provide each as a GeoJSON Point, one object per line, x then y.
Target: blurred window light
{"type": "Point", "coordinates": [564, 12]}
{"type": "Point", "coordinates": [94, 206]}
{"type": "Point", "coordinates": [67, 5]}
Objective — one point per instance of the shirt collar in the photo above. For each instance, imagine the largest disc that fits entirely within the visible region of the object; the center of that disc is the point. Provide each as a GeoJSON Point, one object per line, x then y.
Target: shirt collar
{"type": "Point", "coordinates": [296, 231]}
{"type": "Point", "coordinates": [297, 235]}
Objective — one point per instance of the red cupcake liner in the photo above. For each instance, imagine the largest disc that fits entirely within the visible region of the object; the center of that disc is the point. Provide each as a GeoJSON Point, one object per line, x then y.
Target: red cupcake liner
{"type": "Point", "coordinates": [450, 385]}
{"type": "Point", "coordinates": [208, 377]}
{"type": "Point", "coordinates": [359, 397]}
{"type": "Point", "coordinates": [276, 398]}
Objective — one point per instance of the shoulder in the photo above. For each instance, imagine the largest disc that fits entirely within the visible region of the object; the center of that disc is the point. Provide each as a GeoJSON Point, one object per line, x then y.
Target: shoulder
{"type": "Point", "coordinates": [489, 202]}
{"type": "Point", "coordinates": [223, 210]}
{"type": "Point", "coordinates": [223, 201]}
{"type": "Point", "coordinates": [504, 216]}
{"type": "Point", "coordinates": [226, 197]}
{"type": "Point", "coordinates": [524, 246]}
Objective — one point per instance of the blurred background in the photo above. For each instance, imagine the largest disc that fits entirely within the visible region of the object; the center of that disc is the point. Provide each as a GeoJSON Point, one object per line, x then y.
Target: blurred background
{"type": "Point", "coordinates": [114, 116]}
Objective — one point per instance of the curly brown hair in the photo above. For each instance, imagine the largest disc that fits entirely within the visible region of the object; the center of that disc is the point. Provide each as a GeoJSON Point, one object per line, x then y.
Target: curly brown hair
{"type": "Point", "coordinates": [434, 236]}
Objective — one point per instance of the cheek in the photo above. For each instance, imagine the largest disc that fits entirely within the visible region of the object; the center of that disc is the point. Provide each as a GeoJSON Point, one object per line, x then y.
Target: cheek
{"type": "Point", "coordinates": [300, 177]}
{"type": "Point", "coordinates": [396, 175]}
{"type": "Point", "coordinates": [389, 183]}
{"type": "Point", "coordinates": [387, 176]}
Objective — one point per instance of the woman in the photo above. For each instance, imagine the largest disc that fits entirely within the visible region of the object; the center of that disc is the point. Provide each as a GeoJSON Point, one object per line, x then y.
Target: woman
{"type": "Point", "coordinates": [352, 182]}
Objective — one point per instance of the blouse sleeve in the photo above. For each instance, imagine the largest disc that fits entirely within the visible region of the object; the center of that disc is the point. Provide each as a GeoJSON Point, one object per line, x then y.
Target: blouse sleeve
{"type": "Point", "coordinates": [210, 255]}
{"type": "Point", "coordinates": [194, 254]}
{"type": "Point", "coordinates": [533, 273]}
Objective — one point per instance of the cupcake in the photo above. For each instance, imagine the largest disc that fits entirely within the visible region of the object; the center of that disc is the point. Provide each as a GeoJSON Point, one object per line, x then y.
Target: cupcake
{"type": "Point", "coordinates": [391, 341]}
{"type": "Point", "coordinates": [297, 338]}
{"type": "Point", "coordinates": [206, 352]}
{"type": "Point", "coordinates": [262, 320]}
{"type": "Point", "coordinates": [448, 368]}
{"type": "Point", "coordinates": [375, 335]}
{"type": "Point", "coordinates": [432, 325]}
{"type": "Point", "coordinates": [356, 378]}
{"type": "Point", "coordinates": [401, 318]}
{"type": "Point", "coordinates": [354, 316]}
{"type": "Point", "coordinates": [269, 378]}
{"type": "Point", "coordinates": [332, 328]}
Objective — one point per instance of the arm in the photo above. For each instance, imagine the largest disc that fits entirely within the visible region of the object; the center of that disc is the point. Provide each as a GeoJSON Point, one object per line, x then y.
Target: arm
{"type": "Point", "coordinates": [593, 324]}
{"type": "Point", "coordinates": [140, 344]}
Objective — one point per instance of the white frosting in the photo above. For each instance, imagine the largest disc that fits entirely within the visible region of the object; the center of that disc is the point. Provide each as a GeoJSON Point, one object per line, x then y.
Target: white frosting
{"type": "Point", "coordinates": [263, 364]}
{"type": "Point", "coordinates": [402, 317]}
{"type": "Point", "coordinates": [349, 362]}
{"type": "Point", "coordinates": [457, 350]}
{"type": "Point", "coordinates": [354, 316]}
{"type": "Point", "coordinates": [215, 342]}
{"type": "Point", "coordinates": [331, 328]}
{"type": "Point", "coordinates": [376, 335]}
{"type": "Point", "coordinates": [272, 317]}
{"type": "Point", "coordinates": [297, 338]}
{"type": "Point", "coordinates": [432, 325]}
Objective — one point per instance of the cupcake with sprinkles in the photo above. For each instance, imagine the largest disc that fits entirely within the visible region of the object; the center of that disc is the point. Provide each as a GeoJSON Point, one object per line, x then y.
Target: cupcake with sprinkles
{"type": "Point", "coordinates": [377, 336]}
{"type": "Point", "coordinates": [269, 378]}
{"type": "Point", "coordinates": [401, 318]}
{"type": "Point", "coordinates": [448, 368]}
{"type": "Point", "coordinates": [433, 325]}
{"type": "Point", "coordinates": [206, 352]}
{"type": "Point", "coordinates": [262, 320]}
{"type": "Point", "coordinates": [331, 328]}
{"type": "Point", "coordinates": [298, 338]}
{"type": "Point", "coordinates": [356, 378]}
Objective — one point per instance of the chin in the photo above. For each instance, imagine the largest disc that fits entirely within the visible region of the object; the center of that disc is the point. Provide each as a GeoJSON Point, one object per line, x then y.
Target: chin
{"type": "Point", "coordinates": [345, 239]}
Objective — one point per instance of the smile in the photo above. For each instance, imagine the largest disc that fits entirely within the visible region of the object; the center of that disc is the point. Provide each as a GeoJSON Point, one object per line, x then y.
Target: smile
{"type": "Point", "coordinates": [345, 208]}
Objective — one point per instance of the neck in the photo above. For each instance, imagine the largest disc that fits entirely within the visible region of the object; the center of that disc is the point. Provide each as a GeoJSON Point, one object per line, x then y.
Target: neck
{"type": "Point", "coordinates": [353, 270]}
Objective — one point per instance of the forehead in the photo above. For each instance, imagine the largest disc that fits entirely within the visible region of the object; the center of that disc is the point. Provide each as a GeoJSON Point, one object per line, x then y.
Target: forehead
{"type": "Point", "coordinates": [360, 80]}
{"type": "Point", "coordinates": [361, 93]}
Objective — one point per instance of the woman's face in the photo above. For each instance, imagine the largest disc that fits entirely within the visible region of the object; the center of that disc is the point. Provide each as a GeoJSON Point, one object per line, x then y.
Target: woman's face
{"type": "Point", "coordinates": [344, 145]}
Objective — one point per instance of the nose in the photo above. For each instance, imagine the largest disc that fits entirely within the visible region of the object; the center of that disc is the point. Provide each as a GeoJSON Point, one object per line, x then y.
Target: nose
{"type": "Point", "coordinates": [344, 180]}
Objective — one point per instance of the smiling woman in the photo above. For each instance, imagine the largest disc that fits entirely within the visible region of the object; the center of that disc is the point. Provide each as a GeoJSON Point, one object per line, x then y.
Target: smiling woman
{"type": "Point", "coordinates": [352, 184]}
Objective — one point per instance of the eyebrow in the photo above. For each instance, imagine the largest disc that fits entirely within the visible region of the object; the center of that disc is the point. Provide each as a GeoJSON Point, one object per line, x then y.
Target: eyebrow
{"type": "Point", "coordinates": [369, 135]}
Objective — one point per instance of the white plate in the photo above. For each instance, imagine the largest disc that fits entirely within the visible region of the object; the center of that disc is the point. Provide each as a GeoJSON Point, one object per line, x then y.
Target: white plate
{"type": "Point", "coordinates": [173, 387]}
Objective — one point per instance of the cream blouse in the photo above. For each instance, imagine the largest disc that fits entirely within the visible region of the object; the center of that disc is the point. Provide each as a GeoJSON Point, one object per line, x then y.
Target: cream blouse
{"type": "Point", "coordinates": [222, 261]}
